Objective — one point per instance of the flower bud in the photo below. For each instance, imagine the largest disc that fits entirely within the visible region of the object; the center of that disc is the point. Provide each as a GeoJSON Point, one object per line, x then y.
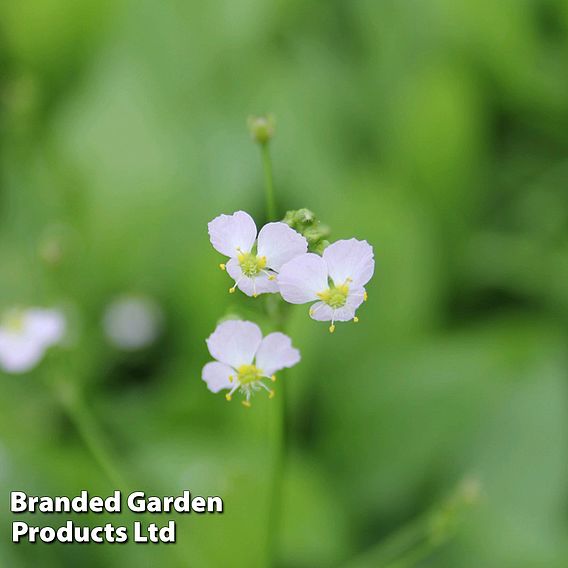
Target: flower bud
{"type": "Point", "coordinates": [261, 128]}
{"type": "Point", "coordinates": [305, 222]}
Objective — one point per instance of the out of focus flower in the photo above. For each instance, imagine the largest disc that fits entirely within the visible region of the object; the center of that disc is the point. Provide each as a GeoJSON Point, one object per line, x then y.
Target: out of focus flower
{"type": "Point", "coordinates": [336, 279]}
{"type": "Point", "coordinates": [254, 268]}
{"type": "Point", "coordinates": [244, 359]}
{"type": "Point", "coordinates": [26, 334]}
{"type": "Point", "coordinates": [132, 322]}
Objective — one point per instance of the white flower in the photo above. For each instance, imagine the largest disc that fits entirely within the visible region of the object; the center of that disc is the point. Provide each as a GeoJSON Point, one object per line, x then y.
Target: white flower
{"type": "Point", "coordinates": [336, 279]}
{"type": "Point", "coordinates": [25, 335]}
{"type": "Point", "coordinates": [244, 359]}
{"type": "Point", "coordinates": [253, 268]}
{"type": "Point", "coordinates": [132, 322]}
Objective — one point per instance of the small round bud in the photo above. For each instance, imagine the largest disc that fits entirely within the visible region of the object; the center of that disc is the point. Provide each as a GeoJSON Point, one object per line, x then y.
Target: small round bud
{"type": "Point", "coordinates": [305, 216]}
{"type": "Point", "coordinates": [261, 128]}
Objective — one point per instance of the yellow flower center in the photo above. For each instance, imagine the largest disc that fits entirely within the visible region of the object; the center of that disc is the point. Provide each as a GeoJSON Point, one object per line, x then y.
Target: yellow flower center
{"type": "Point", "coordinates": [249, 374]}
{"type": "Point", "coordinates": [251, 264]}
{"type": "Point", "coordinates": [335, 296]}
{"type": "Point", "coordinates": [14, 321]}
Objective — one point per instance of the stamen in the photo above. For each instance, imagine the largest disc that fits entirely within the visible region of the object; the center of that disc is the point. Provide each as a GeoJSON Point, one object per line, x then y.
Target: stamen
{"type": "Point", "coordinates": [254, 294]}
{"type": "Point", "coordinates": [314, 310]}
{"type": "Point", "coordinates": [232, 289]}
{"type": "Point", "coordinates": [230, 378]}
{"type": "Point", "coordinates": [272, 277]}
{"type": "Point", "coordinates": [246, 403]}
{"type": "Point", "coordinates": [365, 296]}
{"type": "Point", "coordinates": [332, 326]}
{"type": "Point", "coordinates": [223, 267]}
{"type": "Point", "coordinates": [228, 397]}
{"type": "Point", "coordinates": [273, 378]}
{"type": "Point", "coordinates": [356, 319]}
{"type": "Point", "coordinates": [271, 393]}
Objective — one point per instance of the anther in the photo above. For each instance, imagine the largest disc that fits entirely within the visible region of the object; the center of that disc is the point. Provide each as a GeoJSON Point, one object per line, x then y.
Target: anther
{"type": "Point", "coordinates": [255, 295]}
{"type": "Point", "coordinates": [230, 378]}
{"type": "Point", "coordinates": [271, 393]}
{"type": "Point", "coordinates": [246, 404]}
{"type": "Point", "coordinates": [272, 277]}
{"type": "Point", "coordinates": [331, 328]}
{"type": "Point", "coordinates": [228, 397]}
{"type": "Point", "coordinates": [232, 290]}
{"type": "Point", "coordinates": [222, 267]}
{"type": "Point", "coordinates": [365, 296]}
{"type": "Point", "coordinates": [273, 378]}
{"type": "Point", "coordinates": [356, 319]}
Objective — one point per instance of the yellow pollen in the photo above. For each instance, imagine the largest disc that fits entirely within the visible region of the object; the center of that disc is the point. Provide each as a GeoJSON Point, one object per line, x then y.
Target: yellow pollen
{"type": "Point", "coordinates": [230, 378]}
{"type": "Point", "coordinates": [14, 321]}
{"type": "Point", "coordinates": [335, 296]}
{"type": "Point", "coordinates": [356, 319]}
{"type": "Point", "coordinates": [272, 277]}
{"type": "Point", "coordinates": [246, 403]}
{"type": "Point", "coordinates": [255, 295]}
{"type": "Point", "coordinates": [273, 378]}
{"type": "Point", "coordinates": [222, 267]}
{"type": "Point", "coordinates": [271, 393]}
{"type": "Point", "coordinates": [331, 328]}
{"type": "Point", "coordinates": [249, 374]}
{"type": "Point", "coordinates": [228, 397]}
{"type": "Point", "coordinates": [250, 264]}
{"type": "Point", "coordinates": [232, 290]}
{"type": "Point", "coordinates": [365, 296]}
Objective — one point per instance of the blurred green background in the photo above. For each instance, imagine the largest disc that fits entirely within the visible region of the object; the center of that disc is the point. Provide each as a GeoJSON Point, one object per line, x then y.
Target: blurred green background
{"type": "Point", "coordinates": [437, 130]}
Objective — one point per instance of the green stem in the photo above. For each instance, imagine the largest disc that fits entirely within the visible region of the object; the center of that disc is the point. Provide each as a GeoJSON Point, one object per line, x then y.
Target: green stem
{"type": "Point", "coordinates": [280, 442]}
{"type": "Point", "coordinates": [275, 498]}
{"type": "Point", "coordinates": [87, 428]}
{"type": "Point", "coordinates": [268, 182]}
{"type": "Point", "coordinates": [421, 537]}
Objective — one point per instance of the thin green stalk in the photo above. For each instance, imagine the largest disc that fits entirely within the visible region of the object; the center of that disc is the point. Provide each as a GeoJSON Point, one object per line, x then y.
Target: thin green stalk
{"type": "Point", "coordinates": [280, 442]}
{"type": "Point", "coordinates": [421, 537]}
{"type": "Point", "coordinates": [87, 428]}
{"type": "Point", "coordinates": [275, 498]}
{"type": "Point", "coordinates": [268, 182]}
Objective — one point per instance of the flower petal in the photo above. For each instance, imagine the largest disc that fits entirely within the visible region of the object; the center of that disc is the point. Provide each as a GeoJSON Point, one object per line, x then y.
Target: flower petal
{"type": "Point", "coordinates": [261, 284]}
{"type": "Point", "coordinates": [19, 353]}
{"type": "Point", "coordinates": [275, 353]}
{"type": "Point", "coordinates": [44, 326]}
{"type": "Point", "coordinates": [302, 278]}
{"type": "Point", "coordinates": [235, 342]}
{"type": "Point", "coordinates": [216, 375]}
{"type": "Point", "coordinates": [350, 259]}
{"type": "Point", "coordinates": [279, 243]}
{"type": "Point", "coordinates": [230, 233]}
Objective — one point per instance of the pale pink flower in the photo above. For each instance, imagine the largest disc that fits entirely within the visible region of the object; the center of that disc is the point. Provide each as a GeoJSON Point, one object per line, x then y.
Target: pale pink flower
{"type": "Point", "coordinates": [25, 335]}
{"type": "Point", "coordinates": [335, 281]}
{"type": "Point", "coordinates": [244, 359]}
{"type": "Point", "coordinates": [253, 263]}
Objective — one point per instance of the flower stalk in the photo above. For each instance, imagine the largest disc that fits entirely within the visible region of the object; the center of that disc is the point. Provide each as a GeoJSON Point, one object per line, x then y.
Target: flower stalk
{"type": "Point", "coordinates": [421, 537]}
{"type": "Point", "coordinates": [268, 182]}
{"type": "Point", "coordinates": [86, 426]}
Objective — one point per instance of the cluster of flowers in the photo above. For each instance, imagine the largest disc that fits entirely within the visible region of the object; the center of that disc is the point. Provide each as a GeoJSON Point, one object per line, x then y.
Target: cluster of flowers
{"type": "Point", "coordinates": [276, 260]}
